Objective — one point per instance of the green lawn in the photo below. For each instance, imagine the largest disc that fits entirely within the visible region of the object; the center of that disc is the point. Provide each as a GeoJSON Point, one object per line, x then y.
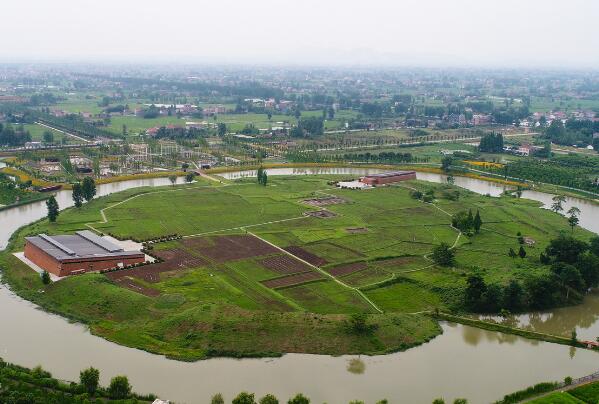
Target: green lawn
{"type": "Point", "coordinates": [37, 132]}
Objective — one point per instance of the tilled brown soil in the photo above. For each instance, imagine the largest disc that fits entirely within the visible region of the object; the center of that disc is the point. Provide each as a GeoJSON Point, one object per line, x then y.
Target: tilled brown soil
{"type": "Point", "coordinates": [229, 248]}
{"type": "Point", "coordinates": [292, 280]}
{"type": "Point", "coordinates": [173, 259]}
{"type": "Point", "coordinates": [306, 255]}
{"type": "Point", "coordinates": [347, 269]}
{"type": "Point", "coordinates": [284, 264]}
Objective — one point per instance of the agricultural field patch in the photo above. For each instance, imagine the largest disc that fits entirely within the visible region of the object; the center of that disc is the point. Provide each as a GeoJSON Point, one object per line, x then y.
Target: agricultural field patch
{"type": "Point", "coordinates": [306, 255]}
{"type": "Point", "coordinates": [284, 265]}
{"type": "Point", "coordinates": [321, 214]}
{"type": "Point", "coordinates": [291, 280]}
{"type": "Point", "coordinates": [346, 269]}
{"type": "Point", "coordinates": [231, 247]}
{"type": "Point", "coordinates": [324, 201]}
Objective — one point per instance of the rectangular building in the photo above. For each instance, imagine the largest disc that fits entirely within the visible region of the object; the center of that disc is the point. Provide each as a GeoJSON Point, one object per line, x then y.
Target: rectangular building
{"type": "Point", "coordinates": [388, 178]}
{"type": "Point", "coordinates": [81, 252]}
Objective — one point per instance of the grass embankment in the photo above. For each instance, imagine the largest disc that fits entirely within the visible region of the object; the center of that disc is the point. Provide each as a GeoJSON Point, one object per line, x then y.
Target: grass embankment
{"type": "Point", "coordinates": [222, 305]}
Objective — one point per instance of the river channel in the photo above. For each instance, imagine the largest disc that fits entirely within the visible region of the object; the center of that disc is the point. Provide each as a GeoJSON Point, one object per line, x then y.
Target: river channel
{"type": "Point", "coordinates": [463, 362]}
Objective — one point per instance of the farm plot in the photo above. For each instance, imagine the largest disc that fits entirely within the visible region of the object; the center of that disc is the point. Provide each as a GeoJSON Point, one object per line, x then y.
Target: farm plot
{"type": "Point", "coordinates": [232, 247]}
{"type": "Point", "coordinates": [174, 259]}
{"type": "Point", "coordinates": [346, 269]}
{"type": "Point", "coordinates": [284, 265]}
{"type": "Point", "coordinates": [306, 255]}
{"type": "Point", "coordinates": [293, 280]}
{"type": "Point", "coordinates": [318, 202]}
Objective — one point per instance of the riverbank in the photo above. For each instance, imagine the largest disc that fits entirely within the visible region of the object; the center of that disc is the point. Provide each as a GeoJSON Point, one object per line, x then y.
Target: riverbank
{"type": "Point", "coordinates": [186, 326]}
{"type": "Point", "coordinates": [321, 377]}
{"type": "Point", "coordinates": [420, 168]}
{"type": "Point", "coordinates": [179, 313]}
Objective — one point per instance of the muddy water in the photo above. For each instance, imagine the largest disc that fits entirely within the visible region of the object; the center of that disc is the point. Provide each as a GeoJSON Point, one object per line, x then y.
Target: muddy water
{"type": "Point", "coordinates": [12, 219]}
{"type": "Point", "coordinates": [463, 362]}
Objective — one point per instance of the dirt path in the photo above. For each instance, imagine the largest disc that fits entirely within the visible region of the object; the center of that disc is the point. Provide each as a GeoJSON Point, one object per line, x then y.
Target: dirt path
{"type": "Point", "coordinates": [370, 302]}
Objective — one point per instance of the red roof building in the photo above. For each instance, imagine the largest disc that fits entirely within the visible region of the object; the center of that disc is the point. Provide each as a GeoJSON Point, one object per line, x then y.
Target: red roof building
{"type": "Point", "coordinates": [388, 178]}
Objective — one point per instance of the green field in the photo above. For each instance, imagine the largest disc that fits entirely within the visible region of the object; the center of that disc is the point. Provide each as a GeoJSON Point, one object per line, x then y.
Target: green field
{"type": "Point", "coordinates": [37, 132]}
{"type": "Point", "coordinates": [227, 303]}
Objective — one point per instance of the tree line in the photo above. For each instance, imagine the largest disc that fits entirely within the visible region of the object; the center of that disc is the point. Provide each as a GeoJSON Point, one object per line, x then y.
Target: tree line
{"type": "Point", "coordinates": [573, 268]}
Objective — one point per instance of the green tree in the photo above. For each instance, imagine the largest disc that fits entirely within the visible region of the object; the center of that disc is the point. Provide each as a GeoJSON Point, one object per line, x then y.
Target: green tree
{"type": "Point", "coordinates": [48, 136]}
{"type": "Point", "coordinates": [222, 129]}
{"type": "Point", "coordinates": [477, 223]}
{"type": "Point", "coordinates": [264, 178]}
{"type": "Point", "coordinates": [244, 398]}
{"type": "Point", "coordinates": [260, 174]}
{"type": "Point", "coordinates": [573, 220]}
{"type": "Point", "coordinates": [566, 248]}
{"type": "Point", "coordinates": [217, 399]}
{"type": "Point", "coordinates": [77, 194]}
{"type": "Point", "coordinates": [90, 379]}
{"type": "Point", "coordinates": [299, 399]}
{"type": "Point", "coordinates": [184, 166]}
{"type": "Point", "coordinates": [460, 401]}
{"type": "Point", "coordinates": [119, 387]}
{"type": "Point", "coordinates": [53, 210]}
{"type": "Point", "coordinates": [519, 191]}
{"type": "Point", "coordinates": [269, 399]}
{"type": "Point", "coordinates": [522, 252]}
{"type": "Point", "coordinates": [443, 255]}
{"type": "Point", "coordinates": [189, 177]}
{"type": "Point", "coordinates": [475, 290]}
{"type": "Point", "coordinates": [46, 278]}
{"type": "Point", "coordinates": [512, 253]}
{"type": "Point", "coordinates": [446, 163]}
{"type": "Point", "coordinates": [96, 167]}
{"type": "Point", "coordinates": [512, 296]}
{"type": "Point", "coordinates": [358, 324]}
{"type": "Point", "coordinates": [438, 401]}
{"type": "Point", "coordinates": [573, 337]}
{"type": "Point", "coordinates": [558, 202]}
{"type": "Point", "coordinates": [88, 188]}
{"type": "Point", "coordinates": [172, 179]}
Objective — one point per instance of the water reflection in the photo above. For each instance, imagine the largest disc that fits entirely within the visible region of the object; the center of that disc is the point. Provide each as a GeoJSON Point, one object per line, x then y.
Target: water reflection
{"type": "Point", "coordinates": [582, 317]}
{"type": "Point", "coordinates": [446, 366]}
{"type": "Point", "coordinates": [356, 366]}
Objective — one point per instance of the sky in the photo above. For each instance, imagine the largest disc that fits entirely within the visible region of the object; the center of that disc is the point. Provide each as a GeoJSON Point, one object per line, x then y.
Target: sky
{"type": "Point", "coordinates": [449, 33]}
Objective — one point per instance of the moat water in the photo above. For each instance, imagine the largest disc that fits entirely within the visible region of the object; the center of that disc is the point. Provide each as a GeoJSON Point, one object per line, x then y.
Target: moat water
{"type": "Point", "coordinates": [463, 362]}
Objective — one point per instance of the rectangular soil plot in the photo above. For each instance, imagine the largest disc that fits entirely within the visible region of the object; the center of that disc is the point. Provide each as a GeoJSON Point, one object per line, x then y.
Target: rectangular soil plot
{"type": "Point", "coordinates": [306, 255]}
{"type": "Point", "coordinates": [173, 259]}
{"type": "Point", "coordinates": [284, 264]}
{"type": "Point", "coordinates": [347, 269]}
{"type": "Point", "coordinates": [229, 248]}
{"type": "Point", "coordinates": [293, 280]}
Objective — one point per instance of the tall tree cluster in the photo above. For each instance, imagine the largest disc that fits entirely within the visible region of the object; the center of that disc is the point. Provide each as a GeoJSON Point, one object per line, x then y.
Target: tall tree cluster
{"type": "Point", "coordinates": [491, 143]}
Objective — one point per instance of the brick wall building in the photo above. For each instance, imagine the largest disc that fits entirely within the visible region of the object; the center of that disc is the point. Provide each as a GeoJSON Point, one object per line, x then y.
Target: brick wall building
{"type": "Point", "coordinates": [388, 178]}
{"type": "Point", "coordinates": [73, 254]}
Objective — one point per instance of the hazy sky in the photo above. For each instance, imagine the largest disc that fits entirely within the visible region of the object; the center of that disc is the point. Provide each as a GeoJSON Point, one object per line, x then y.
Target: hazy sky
{"type": "Point", "coordinates": [533, 33]}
